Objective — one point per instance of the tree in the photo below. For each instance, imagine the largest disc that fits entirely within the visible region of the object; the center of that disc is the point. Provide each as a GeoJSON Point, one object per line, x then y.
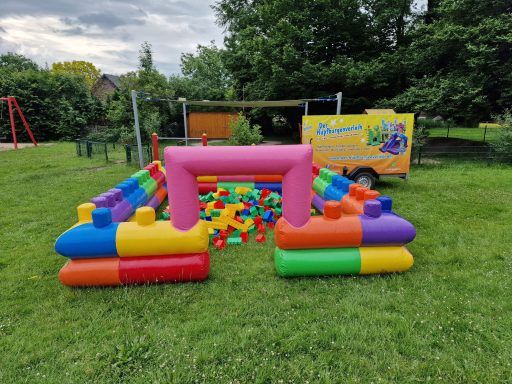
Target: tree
{"type": "Point", "coordinates": [204, 75]}
{"type": "Point", "coordinates": [146, 58]}
{"type": "Point", "coordinates": [154, 116]}
{"type": "Point", "coordinates": [459, 64]}
{"type": "Point", "coordinates": [16, 62]}
{"type": "Point", "coordinates": [451, 59]}
{"type": "Point", "coordinates": [56, 105]}
{"type": "Point", "coordinates": [81, 68]}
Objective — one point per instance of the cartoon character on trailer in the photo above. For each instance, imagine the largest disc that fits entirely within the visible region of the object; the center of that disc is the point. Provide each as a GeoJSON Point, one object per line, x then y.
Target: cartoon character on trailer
{"type": "Point", "coordinates": [397, 143]}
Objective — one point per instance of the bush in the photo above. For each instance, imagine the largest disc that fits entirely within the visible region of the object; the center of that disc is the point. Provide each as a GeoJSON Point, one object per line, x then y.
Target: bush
{"type": "Point", "coordinates": [503, 144]}
{"type": "Point", "coordinates": [431, 123]}
{"type": "Point", "coordinates": [243, 133]}
{"type": "Point", "coordinates": [420, 135]}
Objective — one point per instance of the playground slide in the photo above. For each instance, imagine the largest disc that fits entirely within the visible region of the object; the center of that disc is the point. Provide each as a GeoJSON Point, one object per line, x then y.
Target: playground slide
{"type": "Point", "coordinates": [392, 146]}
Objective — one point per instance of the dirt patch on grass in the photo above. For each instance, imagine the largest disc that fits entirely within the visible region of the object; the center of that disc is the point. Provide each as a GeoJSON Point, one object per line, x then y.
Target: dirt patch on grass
{"type": "Point", "coordinates": [10, 146]}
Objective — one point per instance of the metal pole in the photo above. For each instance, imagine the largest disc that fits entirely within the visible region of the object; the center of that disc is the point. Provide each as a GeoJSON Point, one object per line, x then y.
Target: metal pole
{"type": "Point", "coordinates": [338, 104]}
{"type": "Point", "coordinates": [185, 125]}
{"type": "Point", "coordinates": [485, 132]}
{"type": "Point", "coordinates": [137, 128]}
{"type": "Point", "coordinates": [306, 108]}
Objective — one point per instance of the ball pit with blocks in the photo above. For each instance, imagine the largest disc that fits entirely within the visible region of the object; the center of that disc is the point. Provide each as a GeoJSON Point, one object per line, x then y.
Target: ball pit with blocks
{"type": "Point", "coordinates": [118, 240]}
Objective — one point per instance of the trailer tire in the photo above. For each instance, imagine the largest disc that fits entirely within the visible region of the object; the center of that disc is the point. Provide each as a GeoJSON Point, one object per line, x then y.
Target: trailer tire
{"type": "Point", "coordinates": [365, 179]}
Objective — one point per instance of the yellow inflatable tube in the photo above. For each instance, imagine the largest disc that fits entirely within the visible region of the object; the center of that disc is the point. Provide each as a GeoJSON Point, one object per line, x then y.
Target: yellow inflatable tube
{"type": "Point", "coordinates": [149, 237]}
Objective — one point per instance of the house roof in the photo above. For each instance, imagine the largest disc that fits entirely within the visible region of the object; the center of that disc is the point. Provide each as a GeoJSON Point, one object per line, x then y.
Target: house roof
{"type": "Point", "coordinates": [379, 112]}
{"type": "Point", "coordinates": [112, 78]}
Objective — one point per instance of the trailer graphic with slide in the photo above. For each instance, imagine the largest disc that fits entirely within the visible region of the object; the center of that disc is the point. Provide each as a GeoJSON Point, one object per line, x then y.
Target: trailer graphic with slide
{"type": "Point", "coordinates": [362, 147]}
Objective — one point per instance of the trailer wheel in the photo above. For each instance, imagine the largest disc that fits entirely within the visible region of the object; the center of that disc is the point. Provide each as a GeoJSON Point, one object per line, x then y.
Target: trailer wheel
{"type": "Point", "coordinates": [365, 179]}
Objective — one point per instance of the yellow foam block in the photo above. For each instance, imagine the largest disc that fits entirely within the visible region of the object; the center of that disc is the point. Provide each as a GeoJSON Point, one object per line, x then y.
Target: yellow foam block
{"type": "Point", "coordinates": [385, 260]}
{"type": "Point", "coordinates": [210, 230]}
{"type": "Point", "coordinates": [235, 207]}
{"type": "Point", "coordinates": [147, 237]}
{"type": "Point", "coordinates": [206, 179]}
{"type": "Point", "coordinates": [216, 224]}
{"type": "Point", "coordinates": [210, 205]}
{"type": "Point", "coordinates": [242, 190]}
{"type": "Point", "coordinates": [233, 223]}
{"type": "Point", "coordinates": [227, 213]}
{"type": "Point", "coordinates": [248, 222]}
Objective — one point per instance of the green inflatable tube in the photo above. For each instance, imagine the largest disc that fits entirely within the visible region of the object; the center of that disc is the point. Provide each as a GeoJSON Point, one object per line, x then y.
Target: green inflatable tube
{"type": "Point", "coordinates": [317, 262]}
{"type": "Point", "coordinates": [233, 184]}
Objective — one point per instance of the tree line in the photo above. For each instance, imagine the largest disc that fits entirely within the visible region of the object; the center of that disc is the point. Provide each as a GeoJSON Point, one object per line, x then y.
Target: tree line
{"type": "Point", "coordinates": [451, 59]}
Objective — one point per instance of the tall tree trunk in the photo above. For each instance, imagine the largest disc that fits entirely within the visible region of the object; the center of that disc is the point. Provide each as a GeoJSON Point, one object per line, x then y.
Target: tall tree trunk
{"type": "Point", "coordinates": [431, 10]}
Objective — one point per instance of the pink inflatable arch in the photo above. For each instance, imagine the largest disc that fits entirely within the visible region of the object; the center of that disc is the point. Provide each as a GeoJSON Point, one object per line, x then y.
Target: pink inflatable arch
{"type": "Point", "coordinates": [183, 166]}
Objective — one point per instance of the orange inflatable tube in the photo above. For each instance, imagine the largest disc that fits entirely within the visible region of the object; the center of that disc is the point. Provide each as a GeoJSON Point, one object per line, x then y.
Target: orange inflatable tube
{"type": "Point", "coordinates": [320, 232]}
{"type": "Point", "coordinates": [91, 272]}
{"type": "Point", "coordinates": [161, 194]}
{"type": "Point", "coordinates": [353, 202]}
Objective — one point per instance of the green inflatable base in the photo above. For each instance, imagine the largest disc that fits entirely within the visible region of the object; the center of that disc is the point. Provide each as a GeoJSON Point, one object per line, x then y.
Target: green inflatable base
{"type": "Point", "coordinates": [317, 262]}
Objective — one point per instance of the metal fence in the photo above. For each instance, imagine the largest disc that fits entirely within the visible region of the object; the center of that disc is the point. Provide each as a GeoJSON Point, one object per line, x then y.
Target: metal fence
{"type": "Point", "coordinates": [482, 134]}
{"type": "Point", "coordinates": [113, 151]}
{"type": "Point", "coordinates": [132, 153]}
{"type": "Point", "coordinates": [443, 153]}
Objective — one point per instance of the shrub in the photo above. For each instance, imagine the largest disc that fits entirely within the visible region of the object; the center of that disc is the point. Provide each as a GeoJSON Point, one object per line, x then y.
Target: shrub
{"type": "Point", "coordinates": [420, 135]}
{"type": "Point", "coordinates": [243, 133]}
{"type": "Point", "coordinates": [431, 123]}
{"type": "Point", "coordinates": [503, 144]}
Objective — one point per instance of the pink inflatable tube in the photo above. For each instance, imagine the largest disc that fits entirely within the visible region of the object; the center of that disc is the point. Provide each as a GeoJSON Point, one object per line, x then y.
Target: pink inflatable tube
{"type": "Point", "coordinates": [186, 163]}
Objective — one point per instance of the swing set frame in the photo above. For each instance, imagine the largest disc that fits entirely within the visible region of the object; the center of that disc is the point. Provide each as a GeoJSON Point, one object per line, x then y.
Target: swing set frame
{"type": "Point", "coordinates": [11, 100]}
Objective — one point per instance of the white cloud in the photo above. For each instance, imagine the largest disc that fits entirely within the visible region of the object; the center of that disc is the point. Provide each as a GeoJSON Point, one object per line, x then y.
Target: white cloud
{"type": "Point", "coordinates": [110, 41]}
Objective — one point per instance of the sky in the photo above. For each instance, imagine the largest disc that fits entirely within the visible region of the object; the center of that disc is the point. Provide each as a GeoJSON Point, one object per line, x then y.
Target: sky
{"type": "Point", "coordinates": [107, 33]}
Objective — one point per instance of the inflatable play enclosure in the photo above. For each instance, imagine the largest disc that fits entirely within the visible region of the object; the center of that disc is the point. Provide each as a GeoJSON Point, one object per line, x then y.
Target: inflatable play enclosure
{"type": "Point", "coordinates": [118, 241]}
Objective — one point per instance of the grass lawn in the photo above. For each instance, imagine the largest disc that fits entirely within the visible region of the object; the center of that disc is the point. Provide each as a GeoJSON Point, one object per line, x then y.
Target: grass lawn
{"type": "Point", "coordinates": [447, 320]}
{"type": "Point", "coordinates": [476, 134]}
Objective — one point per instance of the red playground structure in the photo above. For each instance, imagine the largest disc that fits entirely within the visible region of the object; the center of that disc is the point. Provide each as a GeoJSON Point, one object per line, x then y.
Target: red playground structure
{"type": "Point", "coordinates": [11, 100]}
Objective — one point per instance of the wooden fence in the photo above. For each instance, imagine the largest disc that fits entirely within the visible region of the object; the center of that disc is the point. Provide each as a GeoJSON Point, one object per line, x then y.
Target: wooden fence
{"type": "Point", "coordinates": [214, 124]}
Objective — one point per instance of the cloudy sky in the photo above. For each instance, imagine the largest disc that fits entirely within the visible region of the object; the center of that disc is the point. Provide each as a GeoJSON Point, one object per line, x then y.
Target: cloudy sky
{"type": "Point", "coordinates": [107, 33]}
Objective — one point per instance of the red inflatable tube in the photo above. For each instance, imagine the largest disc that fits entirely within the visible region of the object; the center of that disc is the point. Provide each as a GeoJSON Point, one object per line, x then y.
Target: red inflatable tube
{"type": "Point", "coordinates": [155, 173]}
{"type": "Point", "coordinates": [164, 269]}
{"type": "Point", "coordinates": [205, 188]}
{"type": "Point", "coordinates": [135, 270]}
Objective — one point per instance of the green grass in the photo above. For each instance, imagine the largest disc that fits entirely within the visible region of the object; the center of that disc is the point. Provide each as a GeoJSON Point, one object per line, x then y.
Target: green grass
{"type": "Point", "coordinates": [447, 320]}
{"type": "Point", "coordinates": [475, 134]}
